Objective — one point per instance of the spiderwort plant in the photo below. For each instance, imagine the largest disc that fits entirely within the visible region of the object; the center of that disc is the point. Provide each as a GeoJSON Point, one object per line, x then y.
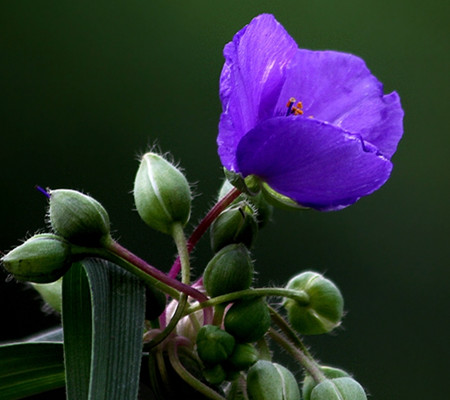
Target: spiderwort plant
{"type": "Point", "coordinates": [313, 125]}
{"type": "Point", "coordinates": [310, 129]}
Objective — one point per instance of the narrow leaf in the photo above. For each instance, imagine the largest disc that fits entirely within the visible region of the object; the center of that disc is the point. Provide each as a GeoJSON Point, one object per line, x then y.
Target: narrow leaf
{"type": "Point", "coordinates": [115, 331]}
{"type": "Point", "coordinates": [30, 368]}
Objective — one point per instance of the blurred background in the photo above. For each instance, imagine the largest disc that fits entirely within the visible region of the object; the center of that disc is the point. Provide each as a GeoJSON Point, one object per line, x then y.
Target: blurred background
{"type": "Point", "coordinates": [88, 86]}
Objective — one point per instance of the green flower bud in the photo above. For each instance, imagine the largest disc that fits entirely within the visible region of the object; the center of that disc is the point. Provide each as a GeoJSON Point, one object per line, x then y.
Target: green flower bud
{"type": "Point", "coordinates": [271, 381]}
{"type": "Point", "coordinates": [244, 356]}
{"type": "Point", "coordinates": [161, 193]}
{"type": "Point", "coordinates": [325, 308]}
{"type": "Point", "coordinates": [230, 270]}
{"type": "Point", "coordinates": [309, 383]}
{"type": "Point", "coordinates": [78, 218]}
{"type": "Point", "coordinates": [215, 375]}
{"type": "Point", "coordinates": [155, 302]}
{"type": "Point", "coordinates": [214, 345]}
{"type": "Point", "coordinates": [345, 388]}
{"type": "Point", "coordinates": [248, 320]}
{"type": "Point", "coordinates": [258, 202]}
{"type": "Point", "coordinates": [237, 224]}
{"type": "Point", "coordinates": [42, 259]}
{"type": "Point", "coordinates": [51, 293]}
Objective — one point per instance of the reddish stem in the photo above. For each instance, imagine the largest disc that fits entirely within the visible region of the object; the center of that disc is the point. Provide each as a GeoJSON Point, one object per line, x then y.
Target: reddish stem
{"type": "Point", "coordinates": [124, 253]}
{"type": "Point", "coordinates": [203, 226]}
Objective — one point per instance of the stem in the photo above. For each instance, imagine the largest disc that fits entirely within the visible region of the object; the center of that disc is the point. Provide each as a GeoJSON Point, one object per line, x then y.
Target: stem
{"type": "Point", "coordinates": [204, 224]}
{"type": "Point", "coordinates": [114, 258]}
{"type": "Point", "coordinates": [288, 331]}
{"type": "Point", "coordinates": [188, 377]}
{"type": "Point", "coordinates": [179, 312]}
{"type": "Point", "coordinates": [298, 295]}
{"type": "Point", "coordinates": [310, 365]}
{"type": "Point", "coordinates": [120, 251]}
{"type": "Point", "coordinates": [183, 256]}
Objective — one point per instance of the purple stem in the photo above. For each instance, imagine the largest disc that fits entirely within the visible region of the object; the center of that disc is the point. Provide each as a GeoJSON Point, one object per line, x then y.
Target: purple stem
{"type": "Point", "coordinates": [124, 253]}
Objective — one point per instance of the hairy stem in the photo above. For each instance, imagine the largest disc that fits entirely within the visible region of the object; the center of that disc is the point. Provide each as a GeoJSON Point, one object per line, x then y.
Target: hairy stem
{"type": "Point", "coordinates": [310, 365]}
{"type": "Point", "coordinates": [203, 226]}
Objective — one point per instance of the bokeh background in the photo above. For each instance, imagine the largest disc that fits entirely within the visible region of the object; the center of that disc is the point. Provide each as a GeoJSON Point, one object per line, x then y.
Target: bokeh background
{"type": "Point", "coordinates": [87, 86]}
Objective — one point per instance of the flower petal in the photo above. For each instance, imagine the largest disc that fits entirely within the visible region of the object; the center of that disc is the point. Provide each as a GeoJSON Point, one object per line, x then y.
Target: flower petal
{"type": "Point", "coordinates": [339, 88]}
{"type": "Point", "coordinates": [251, 80]}
{"type": "Point", "coordinates": [314, 163]}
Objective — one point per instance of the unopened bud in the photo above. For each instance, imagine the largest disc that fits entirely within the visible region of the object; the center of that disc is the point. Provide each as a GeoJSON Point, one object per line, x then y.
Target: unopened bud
{"type": "Point", "coordinates": [263, 208]}
{"type": "Point", "coordinates": [78, 218]}
{"type": "Point", "coordinates": [324, 311]}
{"type": "Point", "coordinates": [248, 320]}
{"type": "Point", "coordinates": [230, 270]}
{"type": "Point", "coordinates": [214, 345]}
{"type": "Point", "coordinates": [237, 224]}
{"type": "Point", "coordinates": [161, 193]}
{"type": "Point", "coordinates": [42, 259]}
{"type": "Point", "coordinates": [345, 388]}
{"type": "Point", "coordinates": [309, 383]}
{"type": "Point", "coordinates": [271, 381]}
{"type": "Point", "coordinates": [244, 356]}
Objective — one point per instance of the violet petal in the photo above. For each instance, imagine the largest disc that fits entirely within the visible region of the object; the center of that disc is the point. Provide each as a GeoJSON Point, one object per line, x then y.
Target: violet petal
{"type": "Point", "coordinates": [251, 80]}
{"type": "Point", "coordinates": [314, 163]}
{"type": "Point", "coordinates": [339, 88]}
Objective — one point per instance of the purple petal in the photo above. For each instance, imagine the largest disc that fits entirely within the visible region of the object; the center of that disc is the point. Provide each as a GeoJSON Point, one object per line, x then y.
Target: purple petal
{"type": "Point", "coordinates": [314, 163]}
{"type": "Point", "coordinates": [251, 80]}
{"type": "Point", "coordinates": [339, 88]}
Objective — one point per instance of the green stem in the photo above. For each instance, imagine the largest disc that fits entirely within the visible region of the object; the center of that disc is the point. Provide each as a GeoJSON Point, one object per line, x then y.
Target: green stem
{"type": "Point", "coordinates": [183, 253]}
{"type": "Point", "coordinates": [289, 332]}
{"type": "Point", "coordinates": [188, 377]}
{"type": "Point", "coordinates": [298, 295]}
{"type": "Point", "coordinates": [310, 365]}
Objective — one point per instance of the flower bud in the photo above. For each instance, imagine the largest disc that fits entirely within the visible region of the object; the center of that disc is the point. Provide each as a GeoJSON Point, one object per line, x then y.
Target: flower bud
{"type": "Point", "coordinates": [248, 320]}
{"type": "Point", "coordinates": [214, 345]}
{"type": "Point", "coordinates": [161, 193]}
{"type": "Point", "coordinates": [344, 388]}
{"type": "Point", "coordinates": [230, 270]}
{"type": "Point", "coordinates": [271, 381]}
{"type": "Point", "coordinates": [258, 202]}
{"type": "Point", "coordinates": [42, 259]}
{"type": "Point", "coordinates": [215, 375]}
{"type": "Point", "coordinates": [51, 293]}
{"type": "Point", "coordinates": [237, 224]}
{"type": "Point", "coordinates": [309, 383]}
{"type": "Point", "coordinates": [325, 308]}
{"type": "Point", "coordinates": [244, 356]}
{"type": "Point", "coordinates": [78, 218]}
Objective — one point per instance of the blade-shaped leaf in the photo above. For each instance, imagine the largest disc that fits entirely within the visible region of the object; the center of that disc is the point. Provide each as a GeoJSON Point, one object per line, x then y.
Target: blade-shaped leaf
{"type": "Point", "coordinates": [103, 347]}
{"type": "Point", "coordinates": [30, 368]}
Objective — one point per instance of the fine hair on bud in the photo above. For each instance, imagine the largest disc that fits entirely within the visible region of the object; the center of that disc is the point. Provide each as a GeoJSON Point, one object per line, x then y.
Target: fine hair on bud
{"type": "Point", "coordinates": [162, 193]}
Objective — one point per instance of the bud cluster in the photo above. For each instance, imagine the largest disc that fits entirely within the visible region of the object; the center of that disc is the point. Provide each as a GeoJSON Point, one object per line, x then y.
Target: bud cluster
{"type": "Point", "coordinates": [227, 347]}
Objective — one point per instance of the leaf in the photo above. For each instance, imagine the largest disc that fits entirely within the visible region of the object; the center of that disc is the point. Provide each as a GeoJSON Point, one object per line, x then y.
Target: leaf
{"type": "Point", "coordinates": [103, 322]}
{"type": "Point", "coordinates": [30, 368]}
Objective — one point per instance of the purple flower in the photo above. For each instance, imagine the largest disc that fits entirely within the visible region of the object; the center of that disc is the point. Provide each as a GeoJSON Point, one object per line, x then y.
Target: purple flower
{"type": "Point", "coordinates": [314, 125]}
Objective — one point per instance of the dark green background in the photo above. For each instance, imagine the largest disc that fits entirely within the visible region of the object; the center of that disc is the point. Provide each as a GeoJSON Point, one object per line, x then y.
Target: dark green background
{"type": "Point", "coordinates": [87, 86]}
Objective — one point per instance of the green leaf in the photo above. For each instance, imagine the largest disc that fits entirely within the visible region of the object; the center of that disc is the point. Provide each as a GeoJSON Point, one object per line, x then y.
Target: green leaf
{"type": "Point", "coordinates": [30, 368]}
{"type": "Point", "coordinates": [103, 322]}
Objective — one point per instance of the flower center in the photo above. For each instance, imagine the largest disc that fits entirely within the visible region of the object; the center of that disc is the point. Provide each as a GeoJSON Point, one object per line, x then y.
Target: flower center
{"type": "Point", "coordinates": [292, 109]}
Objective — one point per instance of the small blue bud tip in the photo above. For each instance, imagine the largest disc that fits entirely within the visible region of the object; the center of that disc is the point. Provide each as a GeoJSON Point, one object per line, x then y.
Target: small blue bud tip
{"type": "Point", "coordinates": [43, 191]}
